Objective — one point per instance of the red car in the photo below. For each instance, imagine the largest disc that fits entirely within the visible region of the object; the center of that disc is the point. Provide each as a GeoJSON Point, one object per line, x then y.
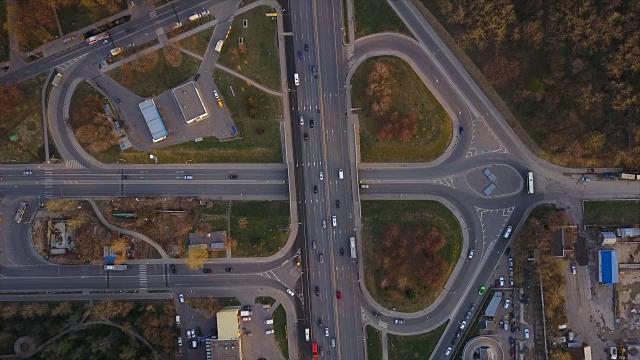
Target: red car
{"type": "Point", "coordinates": [314, 348]}
{"type": "Point", "coordinates": [339, 295]}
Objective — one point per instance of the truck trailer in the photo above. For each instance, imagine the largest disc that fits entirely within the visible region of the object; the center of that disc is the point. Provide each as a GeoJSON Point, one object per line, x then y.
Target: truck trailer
{"type": "Point", "coordinates": [352, 243]}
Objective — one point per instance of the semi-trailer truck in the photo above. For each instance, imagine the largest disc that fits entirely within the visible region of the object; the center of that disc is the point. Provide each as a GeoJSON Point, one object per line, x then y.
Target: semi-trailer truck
{"type": "Point", "coordinates": [352, 243]}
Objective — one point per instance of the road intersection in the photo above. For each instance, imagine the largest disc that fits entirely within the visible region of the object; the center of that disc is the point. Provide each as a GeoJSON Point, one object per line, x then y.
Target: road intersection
{"type": "Point", "coordinates": [455, 179]}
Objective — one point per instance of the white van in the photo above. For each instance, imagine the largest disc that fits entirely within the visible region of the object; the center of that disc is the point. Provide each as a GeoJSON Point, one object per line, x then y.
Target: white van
{"type": "Point", "coordinates": [178, 319]}
{"type": "Point", "coordinates": [334, 221]}
{"type": "Point", "coordinates": [269, 332]}
{"type": "Point", "coordinates": [296, 80]}
{"type": "Point", "coordinates": [341, 174]}
{"type": "Point", "coordinates": [268, 321]}
{"type": "Point", "coordinates": [508, 232]}
{"type": "Point", "coordinates": [219, 45]}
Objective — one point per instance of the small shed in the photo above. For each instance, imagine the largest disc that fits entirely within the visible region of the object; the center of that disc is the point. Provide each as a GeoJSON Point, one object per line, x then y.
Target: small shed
{"type": "Point", "coordinates": [608, 238]}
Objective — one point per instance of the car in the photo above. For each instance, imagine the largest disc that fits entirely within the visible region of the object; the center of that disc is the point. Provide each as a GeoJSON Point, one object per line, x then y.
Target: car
{"type": "Point", "coordinates": [461, 130]}
{"type": "Point", "coordinates": [290, 292]}
{"type": "Point", "coordinates": [326, 331]}
{"type": "Point", "coordinates": [526, 333]}
{"type": "Point", "coordinates": [189, 334]}
{"type": "Point", "coordinates": [341, 251]}
{"type": "Point", "coordinates": [188, 177]}
{"type": "Point", "coordinates": [399, 321]}
{"type": "Point", "coordinates": [306, 136]}
{"type": "Point", "coordinates": [339, 295]}
{"type": "Point", "coordinates": [206, 271]}
{"type": "Point", "coordinates": [314, 245]}
{"type": "Point", "coordinates": [467, 316]}
{"type": "Point", "coordinates": [317, 109]}
{"type": "Point", "coordinates": [463, 325]}
{"type": "Point", "coordinates": [196, 77]}
{"type": "Point", "coordinates": [27, 172]}
{"type": "Point", "coordinates": [296, 78]}
{"type": "Point", "coordinates": [501, 281]}
{"type": "Point", "coordinates": [507, 232]}
{"type": "Point", "coordinates": [321, 176]}
{"type": "Point", "coordinates": [312, 123]}
{"type": "Point", "coordinates": [510, 262]}
{"type": "Point", "coordinates": [248, 318]}
{"type": "Point", "coordinates": [233, 177]}
{"type": "Point", "coordinates": [515, 329]}
{"type": "Point", "coordinates": [131, 29]}
{"type": "Point", "coordinates": [197, 330]}
{"type": "Point", "coordinates": [315, 189]}
{"type": "Point", "coordinates": [314, 71]}
{"type": "Point", "coordinates": [321, 259]}
{"type": "Point", "coordinates": [106, 41]}
{"type": "Point", "coordinates": [317, 291]}
{"type": "Point", "coordinates": [333, 342]}
{"type": "Point", "coordinates": [321, 351]}
{"type": "Point", "coordinates": [481, 290]}
{"type": "Point", "coordinates": [269, 332]}
{"type": "Point", "coordinates": [228, 269]}
{"type": "Point", "coordinates": [573, 269]}
{"type": "Point", "coordinates": [613, 352]}
{"type": "Point", "coordinates": [338, 204]}
{"type": "Point", "coordinates": [118, 101]}
{"type": "Point", "coordinates": [458, 333]}
{"type": "Point", "coordinates": [131, 44]}
{"type": "Point", "coordinates": [472, 307]}
{"type": "Point", "coordinates": [299, 54]}
{"type": "Point", "coordinates": [507, 251]}
{"type": "Point", "coordinates": [179, 341]}
{"type": "Point", "coordinates": [220, 104]}
{"type": "Point", "coordinates": [334, 221]}
{"type": "Point", "coordinates": [506, 325]}
{"type": "Point", "coordinates": [306, 47]}
{"type": "Point", "coordinates": [448, 351]}
{"type": "Point", "coordinates": [181, 297]}
{"type": "Point", "coordinates": [376, 314]}
{"type": "Point", "coordinates": [206, 12]}
{"type": "Point", "coordinates": [215, 94]}
{"type": "Point", "coordinates": [364, 186]}
{"type": "Point", "coordinates": [507, 302]}
{"type": "Point", "coordinates": [319, 322]}
{"type": "Point", "coordinates": [301, 120]}
{"type": "Point", "coordinates": [173, 268]}
{"type": "Point", "coordinates": [471, 254]}
{"type": "Point", "coordinates": [248, 333]}
{"type": "Point", "coordinates": [324, 224]}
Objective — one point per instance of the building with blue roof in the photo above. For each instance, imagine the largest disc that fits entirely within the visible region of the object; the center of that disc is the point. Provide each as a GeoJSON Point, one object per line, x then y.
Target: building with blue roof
{"type": "Point", "coordinates": [608, 267]}
{"type": "Point", "coordinates": [153, 119]}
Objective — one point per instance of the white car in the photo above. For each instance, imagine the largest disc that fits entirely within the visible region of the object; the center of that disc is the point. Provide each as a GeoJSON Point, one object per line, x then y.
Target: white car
{"type": "Point", "coordinates": [290, 292]}
{"type": "Point", "coordinates": [215, 93]}
{"type": "Point", "coordinates": [326, 331]}
{"type": "Point", "coordinates": [301, 120]}
{"type": "Point", "coordinates": [463, 324]}
{"type": "Point", "coordinates": [189, 334]}
{"type": "Point", "coordinates": [248, 318]}
{"type": "Point", "coordinates": [448, 352]}
{"type": "Point", "coordinates": [501, 281]}
{"type": "Point", "coordinates": [206, 12]}
{"type": "Point", "coordinates": [334, 221]}
{"type": "Point", "coordinates": [179, 341]}
{"type": "Point", "coordinates": [471, 254]}
{"type": "Point", "coordinates": [508, 232]}
{"type": "Point", "coordinates": [526, 333]}
{"type": "Point", "coordinates": [181, 297]}
{"type": "Point", "coordinates": [507, 303]}
{"type": "Point", "coordinates": [573, 269]}
{"type": "Point", "coordinates": [269, 332]}
{"type": "Point", "coordinates": [399, 321]}
{"type": "Point", "coordinates": [321, 175]}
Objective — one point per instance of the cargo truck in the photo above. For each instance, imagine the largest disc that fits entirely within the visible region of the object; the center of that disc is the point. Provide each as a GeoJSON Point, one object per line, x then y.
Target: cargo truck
{"type": "Point", "coordinates": [194, 17]}
{"type": "Point", "coordinates": [352, 243]}
{"type": "Point", "coordinates": [116, 51]}
{"type": "Point", "coordinates": [245, 313]}
{"type": "Point", "coordinates": [627, 176]}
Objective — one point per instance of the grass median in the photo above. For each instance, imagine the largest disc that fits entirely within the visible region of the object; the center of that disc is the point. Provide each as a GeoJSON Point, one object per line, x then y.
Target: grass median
{"type": "Point", "coordinates": [280, 330]}
{"type": "Point", "coordinates": [414, 347]}
{"type": "Point", "coordinates": [411, 248]}
{"type": "Point", "coordinates": [400, 121]}
{"type": "Point", "coordinates": [374, 343]}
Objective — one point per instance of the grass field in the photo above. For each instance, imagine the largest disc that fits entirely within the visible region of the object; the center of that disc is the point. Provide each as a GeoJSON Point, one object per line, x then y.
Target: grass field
{"type": "Point", "coordinates": [626, 212]}
{"type": "Point", "coordinates": [189, 25]}
{"type": "Point", "coordinates": [25, 121]}
{"type": "Point", "coordinates": [374, 344]}
{"type": "Point", "coordinates": [280, 328]}
{"type": "Point", "coordinates": [258, 57]}
{"type": "Point", "coordinates": [158, 78]}
{"type": "Point", "coordinates": [257, 225]}
{"type": "Point", "coordinates": [408, 96]}
{"type": "Point", "coordinates": [377, 217]}
{"type": "Point", "coordinates": [4, 35]}
{"type": "Point", "coordinates": [414, 347]}
{"type": "Point", "coordinates": [376, 16]}
{"type": "Point", "coordinates": [77, 16]}
{"type": "Point", "coordinates": [198, 42]}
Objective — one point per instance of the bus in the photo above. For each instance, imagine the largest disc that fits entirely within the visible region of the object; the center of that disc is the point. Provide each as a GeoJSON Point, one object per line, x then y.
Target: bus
{"type": "Point", "coordinates": [20, 212]}
{"type": "Point", "coordinates": [530, 182]}
{"type": "Point", "coordinates": [115, 267]}
{"type": "Point", "coordinates": [96, 38]}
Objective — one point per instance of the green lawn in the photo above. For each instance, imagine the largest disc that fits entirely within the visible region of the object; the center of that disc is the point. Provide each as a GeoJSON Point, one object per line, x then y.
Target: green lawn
{"type": "Point", "coordinates": [198, 42]}
{"type": "Point", "coordinates": [410, 95]}
{"type": "Point", "coordinates": [376, 16]}
{"type": "Point", "coordinates": [158, 78]}
{"type": "Point", "coordinates": [266, 107]}
{"type": "Point", "coordinates": [4, 35]}
{"type": "Point", "coordinates": [408, 216]}
{"type": "Point", "coordinates": [374, 343]}
{"type": "Point", "coordinates": [258, 57]}
{"type": "Point", "coordinates": [257, 225]}
{"type": "Point", "coordinates": [414, 347]}
{"type": "Point", "coordinates": [280, 328]}
{"type": "Point", "coordinates": [623, 212]}
{"type": "Point", "coordinates": [77, 16]}
{"type": "Point", "coordinates": [24, 120]}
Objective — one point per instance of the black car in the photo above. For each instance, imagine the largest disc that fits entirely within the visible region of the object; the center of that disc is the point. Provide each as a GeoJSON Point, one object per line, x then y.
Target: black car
{"type": "Point", "coordinates": [318, 109]}
{"type": "Point", "coordinates": [198, 332]}
{"type": "Point", "coordinates": [315, 189]}
{"type": "Point", "coordinates": [233, 176]}
{"type": "Point", "coordinates": [300, 55]}
{"type": "Point", "coordinates": [196, 77]}
{"type": "Point", "coordinates": [173, 268]}
{"type": "Point", "coordinates": [306, 47]}
{"type": "Point", "coordinates": [206, 271]}
{"type": "Point", "coordinates": [376, 314]}
{"type": "Point", "coordinates": [312, 123]}
{"type": "Point", "coordinates": [314, 71]}
{"type": "Point", "coordinates": [317, 291]}
{"type": "Point", "coordinates": [342, 251]}
{"type": "Point", "coordinates": [306, 136]}
{"type": "Point", "coordinates": [228, 269]}
{"type": "Point", "coordinates": [461, 130]}
{"type": "Point", "coordinates": [338, 204]}
{"type": "Point", "coordinates": [131, 29]}
{"type": "Point", "coordinates": [319, 322]}
{"type": "Point", "coordinates": [118, 101]}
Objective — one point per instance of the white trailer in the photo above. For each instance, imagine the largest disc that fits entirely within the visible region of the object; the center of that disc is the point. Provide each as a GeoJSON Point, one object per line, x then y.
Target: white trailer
{"type": "Point", "coordinates": [627, 176]}
{"type": "Point", "coordinates": [352, 243]}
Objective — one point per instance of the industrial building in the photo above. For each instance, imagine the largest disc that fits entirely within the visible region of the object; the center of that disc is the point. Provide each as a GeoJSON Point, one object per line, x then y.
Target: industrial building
{"type": "Point", "coordinates": [190, 102]}
{"type": "Point", "coordinates": [608, 267]}
{"type": "Point", "coordinates": [493, 304]}
{"type": "Point", "coordinates": [228, 324]}
{"type": "Point", "coordinates": [626, 233]}
{"type": "Point", "coordinates": [153, 119]}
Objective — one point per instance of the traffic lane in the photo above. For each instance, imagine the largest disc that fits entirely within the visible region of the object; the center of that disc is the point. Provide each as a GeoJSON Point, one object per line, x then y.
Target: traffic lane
{"type": "Point", "coordinates": [16, 250]}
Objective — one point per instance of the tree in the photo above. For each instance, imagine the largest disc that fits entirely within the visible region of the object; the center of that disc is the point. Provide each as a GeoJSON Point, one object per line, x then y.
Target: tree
{"type": "Point", "coordinates": [559, 355]}
{"type": "Point", "coordinates": [595, 142]}
{"type": "Point", "coordinates": [77, 221]}
{"type": "Point", "coordinates": [197, 257]}
{"type": "Point", "coordinates": [207, 306]}
{"type": "Point", "coordinates": [61, 205]}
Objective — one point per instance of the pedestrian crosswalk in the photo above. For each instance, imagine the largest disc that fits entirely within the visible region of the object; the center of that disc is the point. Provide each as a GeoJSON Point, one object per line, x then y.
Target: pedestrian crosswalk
{"type": "Point", "coordinates": [350, 55]}
{"type": "Point", "coordinates": [48, 184]}
{"type": "Point", "coordinates": [143, 276]}
{"type": "Point", "coordinates": [153, 15]}
{"type": "Point", "coordinates": [73, 164]}
{"type": "Point", "coordinates": [62, 67]}
{"type": "Point", "coordinates": [382, 324]}
{"type": "Point", "coordinates": [159, 31]}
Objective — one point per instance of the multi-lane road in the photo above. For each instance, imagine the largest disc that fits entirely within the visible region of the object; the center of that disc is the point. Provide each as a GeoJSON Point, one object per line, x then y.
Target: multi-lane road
{"type": "Point", "coordinates": [319, 152]}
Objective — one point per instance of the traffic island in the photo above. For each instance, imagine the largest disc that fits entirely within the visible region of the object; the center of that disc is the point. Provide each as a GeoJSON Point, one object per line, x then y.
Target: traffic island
{"type": "Point", "coordinates": [376, 16]}
{"type": "Point", "coordinates": [411, 248]}
{"type": "Point", "coordinates": [400, 121]}
{"type": "Point", "coordinates": [374, 343]}
{"type": "Point", "coordinates": [416, 346]}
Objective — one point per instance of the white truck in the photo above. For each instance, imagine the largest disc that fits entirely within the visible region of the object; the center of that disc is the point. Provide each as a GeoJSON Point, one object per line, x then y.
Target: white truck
{"type": "Point", "coordinates": [626, 176]}
{"type": "Point", "coordinates": [194, 17]}
{"type": "Point", "coordinates": [219, 45]}
{"type": "Point", "coordinates": [352, 243]}
{"type": "Point", "coordinates": [245, 313]}
{"type": "Point", "coordinates": [307, 334]}
{"type": "Point", "coordinates": [56, 79]}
